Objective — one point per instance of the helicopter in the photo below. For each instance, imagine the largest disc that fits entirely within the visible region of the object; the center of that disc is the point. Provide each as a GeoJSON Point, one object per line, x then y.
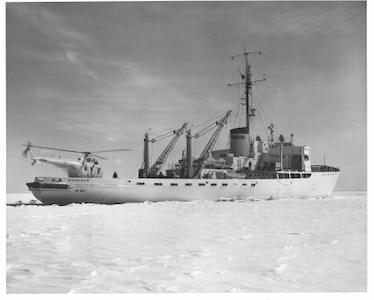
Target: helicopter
{"type": "Point", "coordinates": [86, 167]}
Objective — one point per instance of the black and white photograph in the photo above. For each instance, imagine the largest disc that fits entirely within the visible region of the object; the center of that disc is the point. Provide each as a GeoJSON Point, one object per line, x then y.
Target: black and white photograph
{"type": "Point", "coordinates": [186, 147]}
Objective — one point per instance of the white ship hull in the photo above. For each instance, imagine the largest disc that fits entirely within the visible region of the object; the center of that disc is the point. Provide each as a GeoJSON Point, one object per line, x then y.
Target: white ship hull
{"type": "Point", "coordinates": [63, 191]}
{"type": "Point", "coordinates": [251, 168]}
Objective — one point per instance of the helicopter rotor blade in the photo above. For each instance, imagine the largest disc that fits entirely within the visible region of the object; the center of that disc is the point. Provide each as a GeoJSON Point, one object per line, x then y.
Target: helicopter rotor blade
{"type": "Point", "coordinates": [115, 150]}
{"type": "Point", "coordinates": [98, 156]}
{"type": "Point", "coordinates": [50, 148]}
{"type": "Point", "coordinates": [93, 153]}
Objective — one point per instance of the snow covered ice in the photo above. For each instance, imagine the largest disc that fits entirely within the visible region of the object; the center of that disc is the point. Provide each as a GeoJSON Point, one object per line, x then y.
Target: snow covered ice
{"type": "Point", "coordinates": [289, 245]}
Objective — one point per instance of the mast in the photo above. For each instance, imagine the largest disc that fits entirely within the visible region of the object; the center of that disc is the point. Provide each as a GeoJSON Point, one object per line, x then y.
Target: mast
{"type": "Point", "coordinates": [250, 111]}
{"type": "Point", "coordinates": [147, 170]}
{"type": "Point", "coordinates": [271, 128]}
{"type": "Point", "coordinates": [248, 96]}
{"type": "Point", "coordinates": [190, 169]}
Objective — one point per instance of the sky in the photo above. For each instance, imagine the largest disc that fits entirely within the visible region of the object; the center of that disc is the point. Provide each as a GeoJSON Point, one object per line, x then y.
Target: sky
{"type": "Point", "coordinates": [97, 76]}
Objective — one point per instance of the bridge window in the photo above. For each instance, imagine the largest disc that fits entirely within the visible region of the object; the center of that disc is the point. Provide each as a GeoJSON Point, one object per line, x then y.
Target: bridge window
{"type": "Point", "coordinates": [244, 184]}
{"type": "Point", "coordinates": [173, 184]}
{"type": "Point", "coordinates": [188, 184]}
{"type": "Point", "coordinates": [213, 184]}
{"type": "Point", "coordinates": [140, 183]}
{"type": "Point", "coordinates": [157, 183]}
{"type": "Point", "coordinates": [224, 184]}
{"type": "Point", "coordinates": [201, 184]}
{"type": "Point", "coordinates": [306, 175]}
{"type": "Point", "coordinates": [295, 175]}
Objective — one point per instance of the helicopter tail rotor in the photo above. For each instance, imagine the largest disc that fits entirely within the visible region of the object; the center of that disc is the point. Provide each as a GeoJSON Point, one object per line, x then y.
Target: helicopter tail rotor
{"type": "Point", "coordinates": [25, 152]}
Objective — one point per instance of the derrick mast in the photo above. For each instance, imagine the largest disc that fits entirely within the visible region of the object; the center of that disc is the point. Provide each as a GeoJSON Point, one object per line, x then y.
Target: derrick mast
{"type": "Point", "coordinates": [146, 170]}
{"type": "Point", "coordinates": [189, 163]}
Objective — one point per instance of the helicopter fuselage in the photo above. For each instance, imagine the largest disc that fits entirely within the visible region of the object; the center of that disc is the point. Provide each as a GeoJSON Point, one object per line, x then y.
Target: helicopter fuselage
{"type": "Point", "coordinates": [86, 167]}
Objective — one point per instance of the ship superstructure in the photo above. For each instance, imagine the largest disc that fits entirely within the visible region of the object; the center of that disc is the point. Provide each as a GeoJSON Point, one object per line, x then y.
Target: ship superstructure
{"type": "Point", "coordinates": [251, 168]}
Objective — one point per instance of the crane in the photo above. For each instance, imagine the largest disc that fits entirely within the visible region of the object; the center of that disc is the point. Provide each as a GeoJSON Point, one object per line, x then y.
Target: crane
{"type": "Point", "coordinates": [198, 163]}
{"type": "Point", "coordinates": [159, 163]}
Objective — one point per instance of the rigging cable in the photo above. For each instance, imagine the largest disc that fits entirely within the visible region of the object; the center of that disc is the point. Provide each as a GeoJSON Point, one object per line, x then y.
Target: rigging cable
{"type": "Point", "coordinates": [210, 120]}
{"type": "Point", "coordinates": [263, 101]}
{"type": "Point", "coordinates": [267, 102]}
{"type": "Point", "coordinates": [166, 130]}
{"type": "Point", "coordinates": [263, 124]}
{"type": "Point", "coordinates": [260, 111]}
{"type": "Point", "coordinates": [238, 108]}
{"type": "Point", "coordinates": [267, 89]}
{"type": "Point", "coordinates": [166, 135]}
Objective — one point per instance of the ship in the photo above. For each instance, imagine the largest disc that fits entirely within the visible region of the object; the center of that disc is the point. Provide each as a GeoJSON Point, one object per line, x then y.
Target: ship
{"type": "Point", "coordinates": [251, 168]}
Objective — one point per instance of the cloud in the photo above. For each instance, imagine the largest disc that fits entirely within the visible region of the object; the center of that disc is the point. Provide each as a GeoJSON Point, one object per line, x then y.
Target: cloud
{"type": "Point", "coordinates": [51, 24]}
{"type": "Point", "coordinates": [74, 58]}
{"type": "Point", "coordinates": [302, 19]}
{"type": "Point", "coordinates": [51, 38]}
